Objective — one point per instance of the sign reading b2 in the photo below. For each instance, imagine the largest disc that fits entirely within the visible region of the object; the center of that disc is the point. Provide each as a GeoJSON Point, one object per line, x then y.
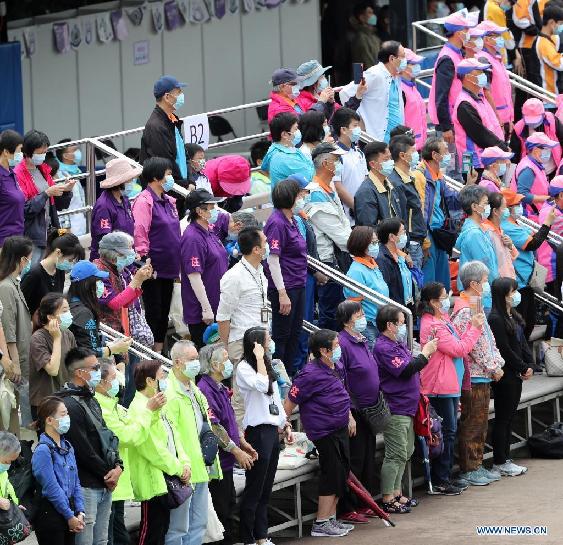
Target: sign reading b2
{"type": "Point", "coordinates": [196, 130]}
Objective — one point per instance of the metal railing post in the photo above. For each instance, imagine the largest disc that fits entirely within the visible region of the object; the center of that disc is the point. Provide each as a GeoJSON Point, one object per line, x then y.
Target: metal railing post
{"type": "Point", "coordinates": [90, 181]}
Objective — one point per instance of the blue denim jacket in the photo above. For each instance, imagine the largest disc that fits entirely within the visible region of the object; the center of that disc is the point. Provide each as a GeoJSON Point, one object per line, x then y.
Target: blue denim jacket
{"type": "Point", "coordinates": [56, 472]}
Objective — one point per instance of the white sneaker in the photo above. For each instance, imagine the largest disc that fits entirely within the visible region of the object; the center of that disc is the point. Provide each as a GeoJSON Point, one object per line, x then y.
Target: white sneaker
{"type": "Point", "coordinates": [508, 469]}
{"type": "Point", "coordinates": [523, 468]}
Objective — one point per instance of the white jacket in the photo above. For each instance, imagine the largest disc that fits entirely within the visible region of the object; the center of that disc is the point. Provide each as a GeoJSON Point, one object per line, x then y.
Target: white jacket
{"type": "Point", "coordinates": [374, 108]}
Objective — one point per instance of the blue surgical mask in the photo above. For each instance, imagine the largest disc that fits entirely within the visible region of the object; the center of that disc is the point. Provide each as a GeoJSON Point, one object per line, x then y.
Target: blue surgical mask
{"type": "Point", "coordinates": [168, 182]}
{"type": "Point", "coordinates": [515, 299]}
{"type": "Point", "coordinates": [445, 304]}
{"type": "Point", "coordinates": [402, 333]}
{"type": "Point", "coordinates": [296, 139]}
{"type": "Point", "coordinates": [299, 205]}
{"type": "Point", "coordinates": [545, 155]}
{"type": "Point", "coordinates": [506, 7]}
{"type": "Point", "coordinates": [4, 467]}
{"type": "Point", "coordinates": [501, 170]}
{"type": "Point", "coordinates": [77, 157]}
{"type": "Point", "coordinates": [191, 368]}
{"type": "Point", "coordinates": [162, 384]}
{"type": "Point", "coordinates": [518, 210]}
{"type": "Point", "coordinates": [486, 289]}
{"type": "Point", "coordinates": [403, 64]}
{"type": "Point", "coordinates": [228, 369]}
{"type": "Point", "coordinates": [295, 90]}
{"type": "Point", "coordinates": [415, 159]}
{"type": "Point", "coordinates": [402, 242]}
{"type": "Point", "coordinates": [25, 269]}
{"type": "Point", "coordinates": [63, 424]}
{"type": "Point", "coordinates": [214, 215]}
{"type": "Point", "coordinates": [38, 158]}
{"type": "Point", "coordinates": [99, 288]}
{"type": "Point", "coordinates": [387, 167]}
{"type": "Point", "coordinates": [179, 101]}
{"type": "Point", "coordinates": [416, 69]}
{"type": "Point", "coordinates": [372, 20]}
{"type": "Point", "coordinates": [125, 261]}
{"type": "Point", "coordinates": [499, 42]}
{"type": "Point", "coordinates": [486, 212]}
{"type": "Point", "coordinates": [482, 80]}
{"type": "Point", "coordinates": [132, 189]}
{"type": "Point", "coordinates": [271, 347]}
{"type": "Point", "coordinates": [360, 324]}
{"type": "Point", "coordinates": [326, 130]}
{"type": "Point", "coordinates": [266, 252]}
{"type": "Point", "coordinates": [338, 168]}
{"type": "Point", "coordinates": [322, 84]}
{"type": "Point", "coordinates": [94, 380]}
{"type": "Point", "coordinates": [336, 354]}
{"type": "Point", "coordinates": [18, 158]}
{"type": "Point", "coordinates": [65, 319]}
{"type": "Point", "coordinates": [373, 249]}
{"type": "Point", "coordinates": [445, 161]}
{"type": "Point", "coordinates": [64, 265]}
{"type": "Point", "coordinates": [355, 135]}
{"type": "Point", "coordinates": [558, 29]}
{"type": "Point", "coordinates": [478, 43]}
{"type": "Point", "coordinates": [113, 390]}
{"type": "Point", "coordinates": [505, 214]}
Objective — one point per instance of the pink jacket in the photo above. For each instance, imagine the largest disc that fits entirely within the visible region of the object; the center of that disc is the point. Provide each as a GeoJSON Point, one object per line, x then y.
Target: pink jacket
{"type": "Point", "coordinates": [280, 104]}
{"type": "Point", "coordinates": [439, 376]}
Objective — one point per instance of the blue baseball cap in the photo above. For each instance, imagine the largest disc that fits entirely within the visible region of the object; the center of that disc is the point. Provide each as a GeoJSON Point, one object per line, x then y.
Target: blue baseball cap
{"type": "Point", "coordinates": [165, 84]}
{"type": "Point", "coordinates": [302, 181]}
{"type": "Point", "coordinates": [211, 334]}
{"type": "Point", "coordinates": [85, 269]}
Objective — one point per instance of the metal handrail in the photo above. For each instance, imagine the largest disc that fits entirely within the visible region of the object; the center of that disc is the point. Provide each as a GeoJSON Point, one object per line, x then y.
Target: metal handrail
{"type": "Point", "coordinates": [550, 300]}
{"type": "Point", "coordinates": [516, 80]}
{"type": "Point", "coordinates": [367, 293]}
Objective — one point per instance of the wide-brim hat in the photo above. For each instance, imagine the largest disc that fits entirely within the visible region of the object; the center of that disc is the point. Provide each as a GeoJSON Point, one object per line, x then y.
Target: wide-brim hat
{"type": "Point", "coordinates": [309, 72]}
{"type": "Point", "coordinates": [119, 171]}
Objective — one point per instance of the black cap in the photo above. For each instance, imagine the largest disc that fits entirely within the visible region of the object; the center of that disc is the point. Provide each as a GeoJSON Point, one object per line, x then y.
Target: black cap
{"type": "Point", "coordinates": [327, 147]}
{"type": "Point", "coordinates": [197, 197]}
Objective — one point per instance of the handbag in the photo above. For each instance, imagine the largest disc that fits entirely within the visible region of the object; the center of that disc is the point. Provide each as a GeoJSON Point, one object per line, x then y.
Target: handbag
{"type": "Point", "coordinates": [549, 443]}
{"type": "Point", "coordinates": [138, 326]}
{"type": "Point", "coordinates": [178, 492]}
{"type": "Point", "coordinates": [376, 416]}
{"type": "Point", "coordinates": [14, 527]}
{"type": "Point", "coordinates": [207, 439]}
{"type": "Point", "coordinates": [553, 362]}
{"type": "Point", "coordinates": [445, 237]}
{"type": "Point", "coordinates": [537, 280]}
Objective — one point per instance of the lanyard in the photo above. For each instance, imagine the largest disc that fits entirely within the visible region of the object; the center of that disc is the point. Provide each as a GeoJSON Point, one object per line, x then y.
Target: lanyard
{"type": "Point", "coordinates": [258, 283]}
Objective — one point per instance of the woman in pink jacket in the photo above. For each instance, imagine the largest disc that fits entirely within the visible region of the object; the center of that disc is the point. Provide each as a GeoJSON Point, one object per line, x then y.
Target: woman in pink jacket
{"type": "Point", "coordinates": [441, 379]}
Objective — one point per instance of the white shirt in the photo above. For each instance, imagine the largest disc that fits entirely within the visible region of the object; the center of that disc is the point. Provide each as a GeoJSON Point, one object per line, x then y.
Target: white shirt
{"type": "Point", "coordinates": [243, 295]}
{"type": "Point", "coordinates": [253, 389]}
{"type": "Point", "coordinates": [374, 108]}
{"type": "Point", "coordinates": [354, 172]}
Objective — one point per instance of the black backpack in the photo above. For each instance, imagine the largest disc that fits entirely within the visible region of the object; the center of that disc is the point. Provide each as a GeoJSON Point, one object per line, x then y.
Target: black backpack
{"type": "Point", "coordinates": [549, 443]}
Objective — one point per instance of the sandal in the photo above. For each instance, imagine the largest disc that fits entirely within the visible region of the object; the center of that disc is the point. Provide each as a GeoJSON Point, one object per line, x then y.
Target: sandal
{"type": "Point", "coordinates": [394, 507]}
{"type": "Point", "coordinates": [411, 502]}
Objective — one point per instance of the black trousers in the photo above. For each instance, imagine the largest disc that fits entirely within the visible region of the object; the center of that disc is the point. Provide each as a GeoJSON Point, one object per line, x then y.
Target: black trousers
{"type": "Point", "coordinates": [527, 309]}
{"type": "Point", "coordinates": [286, 329]}
{"type": "Point", "coordinates": [362, 463]}
{"type": "Point", "coordinates": [155, 518]}
{"type": "Point", "coordinates": [196, 334]}
{"type": "Point", "coordinates": [507, 392]}
{"type": "Point", "coordinates": [157, 294]}
{"type": "Point", "coordinates": [224, 501]}
{"type": "Point", "coordinates": [117, 531]}
{"type": "Point", "coordinates": [259, 482]}
{"type": "Point", "coordinates": [50, 527]}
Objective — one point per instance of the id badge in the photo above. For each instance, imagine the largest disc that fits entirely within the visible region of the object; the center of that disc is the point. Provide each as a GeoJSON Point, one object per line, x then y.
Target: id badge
{"type": "Point", "coordinates": [264, 315]}
{"type": "Point", "coordinates": [274, 409]}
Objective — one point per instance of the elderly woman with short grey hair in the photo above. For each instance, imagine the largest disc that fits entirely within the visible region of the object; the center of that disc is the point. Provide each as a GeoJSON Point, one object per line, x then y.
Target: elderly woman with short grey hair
{"type": "Point", "coordinates": [215, 368]}
{"type": "Point", "coordinates": [9, 451]}
{"type": "Point", "coordinates": [483, 365]}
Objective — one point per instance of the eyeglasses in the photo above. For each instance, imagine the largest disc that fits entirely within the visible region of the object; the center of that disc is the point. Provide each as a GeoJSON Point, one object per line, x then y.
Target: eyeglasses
{"type": "Point", "coordinates": [96, 367]}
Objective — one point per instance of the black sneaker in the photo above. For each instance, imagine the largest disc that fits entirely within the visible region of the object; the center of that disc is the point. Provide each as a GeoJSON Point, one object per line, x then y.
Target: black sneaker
{"type": "Point", "coordinates": [445, 489]}
{"type": "Point", "coordinates": [462, 484]}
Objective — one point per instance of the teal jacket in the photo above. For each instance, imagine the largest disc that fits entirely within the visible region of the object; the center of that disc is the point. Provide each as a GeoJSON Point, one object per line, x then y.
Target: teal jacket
{"type": "Point", "coordinates": [281, 162]}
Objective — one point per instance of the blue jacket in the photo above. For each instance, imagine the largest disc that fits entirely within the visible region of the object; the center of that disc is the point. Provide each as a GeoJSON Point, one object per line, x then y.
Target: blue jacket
{"type": "Point", "coordinates": [56, 472]}
{"type": "Point", "coordinates": [476, 245]}
{"type": "Point", "coordinates": [281, 162]}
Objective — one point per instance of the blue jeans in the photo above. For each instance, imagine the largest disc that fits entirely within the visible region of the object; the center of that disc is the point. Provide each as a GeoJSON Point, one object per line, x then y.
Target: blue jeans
{"type": "Point", "coordinates": [437, 266]}
{"type": "Point", "coordinates": [189, 521]}
{"type": "Point", "coordinates": [415, 251]}
{"type": "Point", "coordinates": [371, 333]}
{"type": "Point", "coordinates": [446, 407]}
{"type": "Point", "coordinates": [330, 296]}
{"type": "Point", "coordinates": [97, 504]}
{"type": "Point", "coordinates": [309, 314]}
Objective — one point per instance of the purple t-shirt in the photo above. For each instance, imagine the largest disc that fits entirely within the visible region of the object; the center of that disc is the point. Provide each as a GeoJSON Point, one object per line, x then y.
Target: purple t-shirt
{"type": "Point", "coordinates": [12, 201]}
{"type": "Point", "coordinates": [362, 375]}
{"type": "Point", "coordinates": [219, 400]}
{"type": "Point", "coordinates": [286, 241]}
{"type": "Point", "coordinates": [201, 252]}
{"type": "Point", "coordinates": [221, 226]}
{"type": "Point", "coordinates": [401, 394]}
{"type": "Point", "coordinates": [324, 404]}
{"type": "Point", "coordinates": [108, 215]}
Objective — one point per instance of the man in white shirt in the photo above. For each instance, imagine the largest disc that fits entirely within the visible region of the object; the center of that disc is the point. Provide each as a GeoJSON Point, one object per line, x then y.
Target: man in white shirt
{"type": "Point", "coordinates": [243, 302]}
{"type": "Point", "coordinates": [382, 106]}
